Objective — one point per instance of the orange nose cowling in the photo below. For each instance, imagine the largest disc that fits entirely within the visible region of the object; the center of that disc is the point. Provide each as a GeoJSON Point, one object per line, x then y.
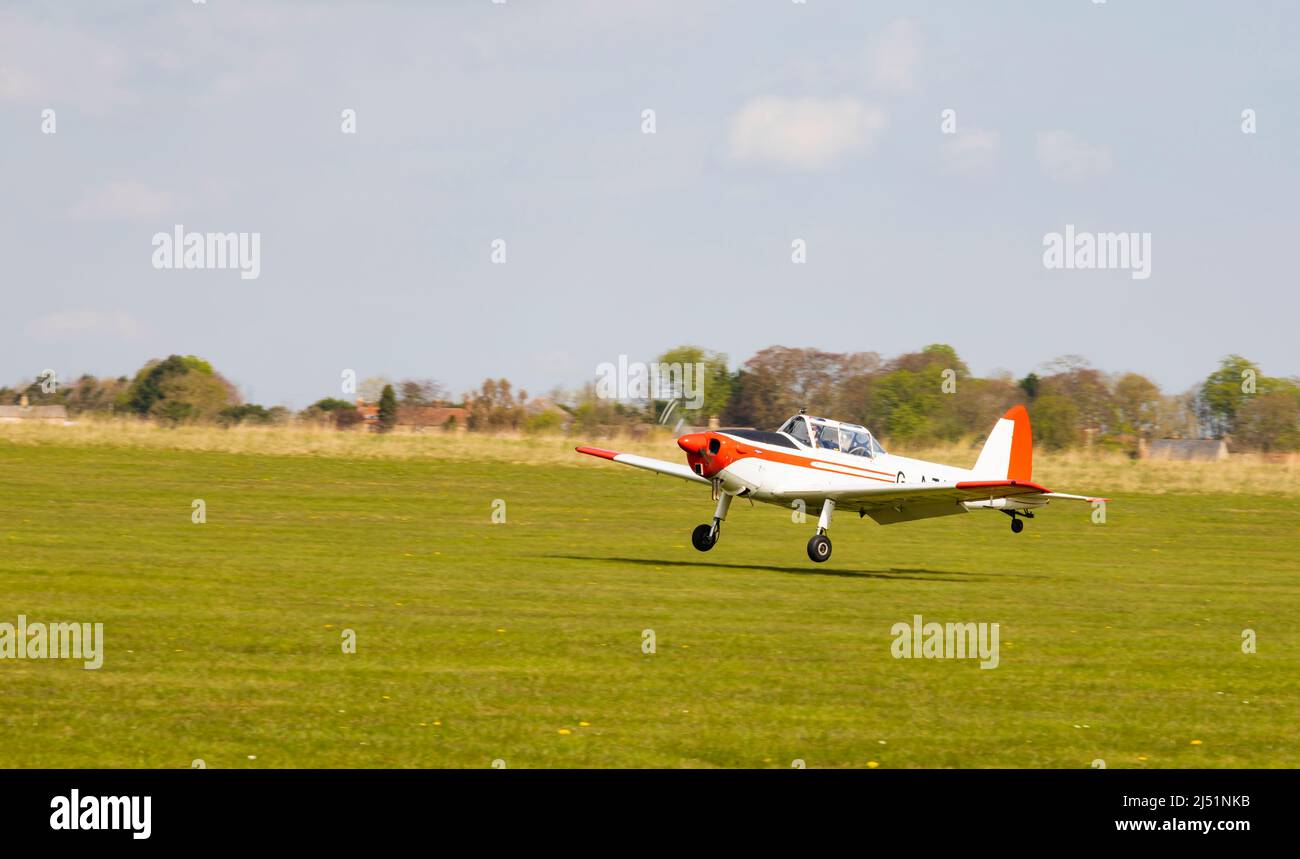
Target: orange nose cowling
{"type": "Point", "coordinates": [696, 445]}
{"type": "Point", "coordinates": [706, 452]}
{"type": "Point", "coordinates": [693, 443]}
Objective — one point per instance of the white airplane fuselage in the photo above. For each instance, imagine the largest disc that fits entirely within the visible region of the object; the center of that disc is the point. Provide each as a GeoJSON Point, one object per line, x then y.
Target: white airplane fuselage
{"type": "Point", "coordinates": [818, 466]}
{"type": "Point", "coordinates": [748, 467]}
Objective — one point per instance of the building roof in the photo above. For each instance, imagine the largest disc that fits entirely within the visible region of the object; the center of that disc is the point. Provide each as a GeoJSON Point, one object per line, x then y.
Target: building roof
{"type": "Point", "coordinates": [538, 405]}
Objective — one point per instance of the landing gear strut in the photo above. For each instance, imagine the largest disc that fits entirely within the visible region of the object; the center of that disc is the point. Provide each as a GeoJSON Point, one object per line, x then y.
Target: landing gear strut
{"type": "Point", "coordinates": [819, 547]}
{"type": "Point", "coordinates": [705, 537]}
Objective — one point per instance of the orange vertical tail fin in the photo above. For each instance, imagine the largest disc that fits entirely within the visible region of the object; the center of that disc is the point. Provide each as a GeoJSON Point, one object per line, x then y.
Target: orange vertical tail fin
{"type": "Point", "coordinates": [1008, 453]}
{"type": "Point", "coordinates": [1021, 464]}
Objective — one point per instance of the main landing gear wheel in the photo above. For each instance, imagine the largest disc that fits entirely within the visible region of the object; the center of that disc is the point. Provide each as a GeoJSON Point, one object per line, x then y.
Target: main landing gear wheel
{"type": "Point", "coordinates": [819, 548]}
{"type": "Point", "coordinates": [1017, 525]}
{"type": "Point", "coordinates": [704, 537]}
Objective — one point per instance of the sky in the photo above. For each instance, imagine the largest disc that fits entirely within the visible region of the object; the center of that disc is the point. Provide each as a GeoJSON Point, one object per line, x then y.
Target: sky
{"type": "Point", "coordinates": [917, 152]}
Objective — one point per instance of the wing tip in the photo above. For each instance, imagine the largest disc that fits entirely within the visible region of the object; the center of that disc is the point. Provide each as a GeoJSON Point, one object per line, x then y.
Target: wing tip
{"type": "Point", "coordinates": [597, 451]}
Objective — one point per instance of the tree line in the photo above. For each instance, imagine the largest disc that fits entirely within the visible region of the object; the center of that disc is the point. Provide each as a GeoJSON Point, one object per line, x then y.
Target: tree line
{"type": "Point", "coordinates": [918, 397]}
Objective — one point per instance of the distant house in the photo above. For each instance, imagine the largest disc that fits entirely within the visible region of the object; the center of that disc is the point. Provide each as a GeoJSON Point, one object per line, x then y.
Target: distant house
{"type": "Point", "coordinates": [538, 407]}
{"type": "Point", "coordinates": [1186, 449]}
{"type": "Point", "coordinates": [415, 418]}
{"type": "Point", "coordinates": [369, 414]}
{"type": "Point", "coordinates": [24, 413]}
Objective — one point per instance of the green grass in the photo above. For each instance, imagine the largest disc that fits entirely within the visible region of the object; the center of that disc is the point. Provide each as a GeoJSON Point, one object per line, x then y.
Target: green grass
{"type": "Point", "coordinates": [479, 642]}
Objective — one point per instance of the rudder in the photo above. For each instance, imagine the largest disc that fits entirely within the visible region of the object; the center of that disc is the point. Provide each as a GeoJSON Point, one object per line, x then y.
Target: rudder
{"type": "Point", "coordinates": [1008, 453]}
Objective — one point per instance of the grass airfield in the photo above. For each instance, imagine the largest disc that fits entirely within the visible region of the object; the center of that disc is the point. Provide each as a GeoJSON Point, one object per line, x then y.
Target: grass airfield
{"type": "Point", "coordinates": [522, 641]}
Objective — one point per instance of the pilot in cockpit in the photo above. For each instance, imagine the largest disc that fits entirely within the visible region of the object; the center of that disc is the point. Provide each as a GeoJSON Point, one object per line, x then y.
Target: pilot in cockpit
{"type": "Point", "coordinates": [828, 437]}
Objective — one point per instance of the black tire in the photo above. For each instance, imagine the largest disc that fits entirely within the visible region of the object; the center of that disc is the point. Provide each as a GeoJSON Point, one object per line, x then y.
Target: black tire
{"type": "Point", "coordinates": [1017, 525]}
{"type": "Point", "coordinates": [819, 548]}
{"type": "Point", "coordinates": [702, 539]}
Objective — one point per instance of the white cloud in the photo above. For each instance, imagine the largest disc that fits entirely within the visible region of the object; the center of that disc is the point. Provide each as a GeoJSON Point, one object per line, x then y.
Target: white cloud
{"type": "Point", "coordinates": [129, 200]}
{"type": "Point", "coordinates": [971, 150]}
{"type": "Point", "coordinates": [1069, 158]}
{"type": "Point", "coordinates": [894, 57]}
{"type": "Point", "coordinates": [51, 65]}
{"type": "Point", "coordinates": [62, 58]}
{"type": "Point", "coordinates": [803, 133]}
{"type": "Point", "coordinates": [77, 324]}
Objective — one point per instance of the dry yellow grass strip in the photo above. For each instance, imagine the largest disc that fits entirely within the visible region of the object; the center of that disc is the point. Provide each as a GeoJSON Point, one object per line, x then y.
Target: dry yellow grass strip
{"type": "Point", "coordinates": [307, 440]}
{"type": "Point", "coordinates": [1095, 472]}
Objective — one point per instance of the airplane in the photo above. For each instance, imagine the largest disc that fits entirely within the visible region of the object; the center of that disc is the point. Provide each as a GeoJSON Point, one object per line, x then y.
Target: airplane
{"type": "Point", "coordinates": [826, 465]}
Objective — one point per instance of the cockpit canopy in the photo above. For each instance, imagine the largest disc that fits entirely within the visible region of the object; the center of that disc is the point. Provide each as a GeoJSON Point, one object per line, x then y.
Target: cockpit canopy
{"type": "Point", "coordinates": [832, 435]}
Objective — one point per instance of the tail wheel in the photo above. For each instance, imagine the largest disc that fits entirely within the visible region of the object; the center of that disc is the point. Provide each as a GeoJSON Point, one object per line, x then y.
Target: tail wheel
{"type": "Point", "coordinates": [704, 537]}
{"type": "Point", "coordinates": [1017, 525]}
{"type": "Point", "coordinates": [819, 548]}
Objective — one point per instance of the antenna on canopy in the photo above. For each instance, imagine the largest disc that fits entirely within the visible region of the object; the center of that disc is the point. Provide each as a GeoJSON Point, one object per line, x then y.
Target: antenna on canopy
{"type": "Point", "coordinates": [803, 411]}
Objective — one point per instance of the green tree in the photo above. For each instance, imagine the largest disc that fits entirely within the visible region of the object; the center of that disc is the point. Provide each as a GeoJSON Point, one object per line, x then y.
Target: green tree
{"type": "Point", "coordinates": [331, 410]}
{"type": "Point", "coordinates": [1176, 416]}
{"type": "Point", "coordinates": [1225, 391]}
{"type": "Point", "coordinates": [1084, 386]}
{"type": "Point", "coordinates": [248, 413]}
{"type": "Point", "coordinates": [89, 394]}
{"type": "Point", "coordinates": [1055, 421]}
{"type": "Point", "coordinates": [1137, 403]}
{"type": "Point", "coordinates": [330, 404]}
{"type": "Point", "coordinates": [1029, 384]}
{"type": "Point", "coordinates": [704, 377]}
{"type": "Point", "coordinates": [975, 406]}
{"type": "Point", "coordinates": [387, 409]}
{"type": "Point", "coordinates": [544, 422]}
{"type": "Point", "coordinates": [778, 381]}
{"type": "Point", "coordinates": [904, 401]}
{"type": "Point", "coordinates": [495, 406]}
{"type": "Point", "coordinates": [594, 413]}
{"type": "Point", "coordinates": [421, 392]}
{"type": "Point", "coordinates": [1270, 421]}
{"type": "Point", "coordinates": [913, 398]}
{"type": "Point", "coordinates": [179, 389]}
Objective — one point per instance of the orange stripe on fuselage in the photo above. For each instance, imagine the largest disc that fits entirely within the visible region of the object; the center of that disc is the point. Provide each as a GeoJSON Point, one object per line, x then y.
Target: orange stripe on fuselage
{"type": "Point", "coordinates": [850, 470]}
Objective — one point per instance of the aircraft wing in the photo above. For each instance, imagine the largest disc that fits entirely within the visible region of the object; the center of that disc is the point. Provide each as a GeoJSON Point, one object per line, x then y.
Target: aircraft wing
{"type": "Point", "coordinates": [674, 469]}
{"type": "Point", "coordinates": [906, 502]}
{"type": "Point", "coordinates": [1066, 497]}
{"type": "Point", "coordinates": [858, 496]}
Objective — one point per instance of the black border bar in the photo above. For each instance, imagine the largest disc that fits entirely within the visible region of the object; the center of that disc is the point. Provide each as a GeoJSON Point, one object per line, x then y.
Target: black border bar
{"type": "Point", "coordinates": [334, 807]}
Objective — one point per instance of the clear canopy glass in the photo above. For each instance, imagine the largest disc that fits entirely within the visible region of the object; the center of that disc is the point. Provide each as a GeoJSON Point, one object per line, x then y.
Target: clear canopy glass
{"type": "Point", "coordinates": [824, 434]}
